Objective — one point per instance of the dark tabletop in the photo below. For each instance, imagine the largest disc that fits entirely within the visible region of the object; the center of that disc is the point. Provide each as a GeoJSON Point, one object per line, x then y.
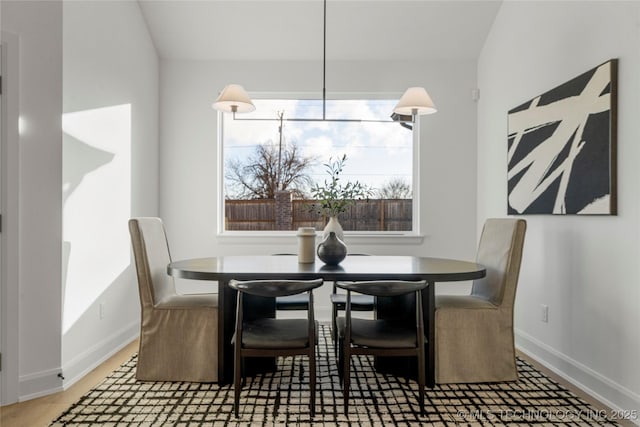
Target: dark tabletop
{"type": "Point", "coordinates": [351, 268]}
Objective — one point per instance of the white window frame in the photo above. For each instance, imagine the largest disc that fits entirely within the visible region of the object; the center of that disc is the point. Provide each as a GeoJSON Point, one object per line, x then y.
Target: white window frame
{"type": "Point", "coordinates": [353, 237]}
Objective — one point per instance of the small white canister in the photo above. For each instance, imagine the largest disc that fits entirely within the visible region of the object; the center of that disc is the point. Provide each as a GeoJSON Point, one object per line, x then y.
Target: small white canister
{"type": "Point", "coordinates": [306, 245]}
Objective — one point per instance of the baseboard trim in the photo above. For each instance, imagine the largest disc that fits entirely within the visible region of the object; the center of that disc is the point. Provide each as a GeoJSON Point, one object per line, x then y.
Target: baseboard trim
{"type": "Point", "coordinates": [85, 362]}
{"type": "Point", "coordinates": [39, 384]}
{"type": "Point", "coordinates": [617, 397]}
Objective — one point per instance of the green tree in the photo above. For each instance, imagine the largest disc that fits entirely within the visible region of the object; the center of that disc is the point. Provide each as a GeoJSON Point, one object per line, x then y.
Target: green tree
{"type": "Point", "coordinates": [333, 196]}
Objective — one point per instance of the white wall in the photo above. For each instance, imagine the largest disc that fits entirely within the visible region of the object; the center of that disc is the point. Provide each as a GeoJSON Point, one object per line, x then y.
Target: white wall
{"type": "Point", "coordinates": [38, 27]}
{"type": "Point", "coordinates": [584, 268]}
{"type": "Point", "coordinates": [189, 164]}
{"type": "Point", "coordinates": [110, 173]}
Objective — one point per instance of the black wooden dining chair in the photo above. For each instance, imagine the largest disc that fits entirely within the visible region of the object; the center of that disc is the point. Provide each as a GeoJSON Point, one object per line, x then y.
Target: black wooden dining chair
{"type": "Point", "coordinates": [259, 336]}
{"type": "Point", "coordinates": [399, 336]}
{"type": "Point", "coordinates": [339, 303]}
{"type": "Point", "coordinates": [292, 302]}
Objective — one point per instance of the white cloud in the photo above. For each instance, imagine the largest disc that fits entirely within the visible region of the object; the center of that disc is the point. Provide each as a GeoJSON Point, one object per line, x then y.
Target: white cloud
{"type": "Point", "coordinates": [320, 148]}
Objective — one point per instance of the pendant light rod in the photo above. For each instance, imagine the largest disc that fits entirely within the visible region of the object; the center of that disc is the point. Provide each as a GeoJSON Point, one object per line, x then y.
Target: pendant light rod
{"type": "Point", "coordinates": [312, 119]}
{"type": "Point", "coordinates": [415, 101]}
{"type": "Point", "coordinates": [324, 61]}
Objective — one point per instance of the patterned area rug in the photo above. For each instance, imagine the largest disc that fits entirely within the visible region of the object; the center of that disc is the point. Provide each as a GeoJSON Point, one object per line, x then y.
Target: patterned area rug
{"type": "Point", "coordinates": [282, 399]}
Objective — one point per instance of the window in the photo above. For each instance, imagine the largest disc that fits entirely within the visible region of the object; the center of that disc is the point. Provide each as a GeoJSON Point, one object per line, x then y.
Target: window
{"type": "Point", "coordinates": [268, 171]}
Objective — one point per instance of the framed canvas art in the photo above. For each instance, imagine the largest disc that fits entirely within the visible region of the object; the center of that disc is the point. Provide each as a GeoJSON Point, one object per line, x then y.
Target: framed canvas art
{"type": "Point", "coordinates": [562, 148]}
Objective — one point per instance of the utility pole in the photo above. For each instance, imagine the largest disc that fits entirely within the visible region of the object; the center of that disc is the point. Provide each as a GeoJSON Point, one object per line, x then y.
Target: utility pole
{"type": "Point", "coordinates": [278, 184]}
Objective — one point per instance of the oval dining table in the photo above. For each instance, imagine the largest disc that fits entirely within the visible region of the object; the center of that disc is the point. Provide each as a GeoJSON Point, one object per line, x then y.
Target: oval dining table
{"type": "Point", "coordinates": [352, 268]}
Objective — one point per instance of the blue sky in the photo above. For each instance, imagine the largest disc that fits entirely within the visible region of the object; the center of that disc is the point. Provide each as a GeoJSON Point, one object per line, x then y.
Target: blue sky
{"type": "Point", "coordinates": [376, 152]}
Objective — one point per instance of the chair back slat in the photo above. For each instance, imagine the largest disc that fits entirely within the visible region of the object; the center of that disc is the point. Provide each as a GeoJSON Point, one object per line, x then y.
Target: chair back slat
{"type": "Point", "coordinates": [274, 288]}
{"type": "Point", "coordinates": [383, 288]}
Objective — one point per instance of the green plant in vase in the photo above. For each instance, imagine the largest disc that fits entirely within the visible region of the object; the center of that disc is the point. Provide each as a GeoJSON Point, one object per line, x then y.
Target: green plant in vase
{"type": "Point", "coordinates": [334, 197]}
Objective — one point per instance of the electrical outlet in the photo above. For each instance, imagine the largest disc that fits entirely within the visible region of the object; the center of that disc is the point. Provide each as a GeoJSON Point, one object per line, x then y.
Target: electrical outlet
{"type": "Point", "coordinates": [544, 313]}
{"type": "Point", "coordinates": [102, 311]}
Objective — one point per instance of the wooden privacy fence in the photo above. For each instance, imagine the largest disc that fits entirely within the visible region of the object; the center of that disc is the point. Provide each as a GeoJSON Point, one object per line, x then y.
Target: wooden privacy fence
{"type": "Point", "coordinates": [365, 215]}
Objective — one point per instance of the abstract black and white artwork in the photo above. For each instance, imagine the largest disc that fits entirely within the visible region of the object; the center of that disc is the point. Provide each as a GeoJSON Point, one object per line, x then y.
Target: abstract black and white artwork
{"type": "Point", "coordinates": [561, 148]}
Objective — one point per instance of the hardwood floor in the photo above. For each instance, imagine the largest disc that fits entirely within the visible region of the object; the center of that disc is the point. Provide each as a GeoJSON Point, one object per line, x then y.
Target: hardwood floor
{"type": "Point", "coordinates": [575, 390]}
{"type": "Point", "coordinates": [40, 412]}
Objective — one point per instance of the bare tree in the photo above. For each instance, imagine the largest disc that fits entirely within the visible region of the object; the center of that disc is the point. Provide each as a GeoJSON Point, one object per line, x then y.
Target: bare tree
{"type": "Point", "coordinates": [395, 188]}
{"type": "Point", "coordinates": [271, 168]}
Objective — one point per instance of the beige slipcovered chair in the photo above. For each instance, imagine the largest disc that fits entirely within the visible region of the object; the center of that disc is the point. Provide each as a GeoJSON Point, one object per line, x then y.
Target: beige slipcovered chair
{"type": "Point", "coordinates": [178, 333]}
{"type": "Point", "coordinates": [474, 333]}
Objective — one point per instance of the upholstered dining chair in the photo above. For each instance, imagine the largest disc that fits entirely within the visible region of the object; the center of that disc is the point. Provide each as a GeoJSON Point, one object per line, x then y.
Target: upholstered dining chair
{"type": "Point", "coordinates": [399, 336]}
{"type": "Point", "coordinates": [474, 333]}
{"type": "Point", "coordinates": [257, 336]}
{"type": "Point", "coordinates": [178, 333]}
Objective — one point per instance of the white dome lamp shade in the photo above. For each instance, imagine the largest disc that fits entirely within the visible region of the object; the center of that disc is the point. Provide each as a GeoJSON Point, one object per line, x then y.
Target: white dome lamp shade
{"type": "Point", "coordinates": [234, 99]}
{"type": "Point", "coordinates": [415, 102]}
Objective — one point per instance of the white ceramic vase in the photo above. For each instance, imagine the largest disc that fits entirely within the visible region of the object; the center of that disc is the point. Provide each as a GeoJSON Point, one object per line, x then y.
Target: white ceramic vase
{"type": "Point", "coordinates": [333, 225]}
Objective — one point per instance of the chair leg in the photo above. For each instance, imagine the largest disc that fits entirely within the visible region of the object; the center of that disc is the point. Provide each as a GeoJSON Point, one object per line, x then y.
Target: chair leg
{"type": "Point", "coordinates": [421, 380]}
{"type": "Point", "coordinates": [340, 360]}
{"type": "Point", "coordinates": [312, 381]}
{"type": "Point", "coordinates": [334, 328]}
{"type": "Point", "coordinates": [346, 380]}
{"type": "Point", "coordinates": [237, 378]}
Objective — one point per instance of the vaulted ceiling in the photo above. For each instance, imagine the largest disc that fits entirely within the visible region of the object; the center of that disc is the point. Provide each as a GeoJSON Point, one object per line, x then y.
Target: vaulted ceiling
{"type": "Point", "coordinates": [292, 29]}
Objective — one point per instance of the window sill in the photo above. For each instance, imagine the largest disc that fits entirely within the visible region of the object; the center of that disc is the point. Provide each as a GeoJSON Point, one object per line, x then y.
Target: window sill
{"type": "Point", "coordinates": [289, 237]}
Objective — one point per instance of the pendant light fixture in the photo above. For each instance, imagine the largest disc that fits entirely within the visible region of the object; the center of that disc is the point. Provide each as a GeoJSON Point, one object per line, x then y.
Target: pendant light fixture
{"type": "Point", "coordinates": [414, 102]}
